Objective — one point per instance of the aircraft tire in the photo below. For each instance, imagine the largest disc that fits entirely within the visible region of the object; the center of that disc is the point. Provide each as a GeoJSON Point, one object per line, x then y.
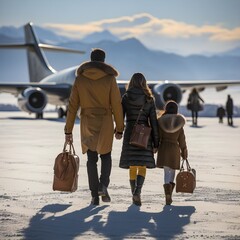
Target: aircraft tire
{"type": "Point", "coordinates": [61, 113]}
{"type": "Point", "coordinates": [39, 115]}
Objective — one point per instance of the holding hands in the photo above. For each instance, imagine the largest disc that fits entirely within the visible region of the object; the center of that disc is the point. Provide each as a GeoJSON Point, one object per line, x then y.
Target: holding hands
{"type": "Point", "coordinates": [155, 150]}
{"type": "Point", "coordinates": [118, 136]}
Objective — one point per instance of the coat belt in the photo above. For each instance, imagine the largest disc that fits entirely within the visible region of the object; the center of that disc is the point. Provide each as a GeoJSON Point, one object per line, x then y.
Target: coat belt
{"type": "Point", "coordinates": [169, 141]}
{"type": "Point", "coordinates": [95, 111]}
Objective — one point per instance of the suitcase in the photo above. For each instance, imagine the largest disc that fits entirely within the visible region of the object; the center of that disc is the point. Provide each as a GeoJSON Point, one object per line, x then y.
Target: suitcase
{"type": "Point", "coordinates": [66, 168]}
{"type": "Point", "coordinates": [186, 179]}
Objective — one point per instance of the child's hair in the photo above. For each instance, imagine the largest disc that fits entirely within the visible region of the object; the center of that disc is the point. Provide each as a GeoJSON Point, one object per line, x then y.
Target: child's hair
{"type": "Point", "coordinates": [171, 107]}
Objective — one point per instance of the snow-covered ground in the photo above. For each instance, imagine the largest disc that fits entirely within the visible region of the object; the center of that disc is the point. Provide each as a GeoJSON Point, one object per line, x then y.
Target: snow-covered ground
{"type": "Point", "coordinates": [29, 209]}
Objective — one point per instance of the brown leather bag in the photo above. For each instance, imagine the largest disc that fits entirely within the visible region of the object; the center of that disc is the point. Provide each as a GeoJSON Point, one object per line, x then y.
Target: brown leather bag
{"type": "Point", "coordinates": [66, 168]}
{"type": "Point", "coordinates": [140, 133]}
{"type": "Point", "coordinates": [186, 179]}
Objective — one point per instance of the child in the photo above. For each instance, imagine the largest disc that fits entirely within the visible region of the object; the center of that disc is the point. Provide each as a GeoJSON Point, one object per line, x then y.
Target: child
{"type": "Point", "coordinates": [172, 146]}
{"type": "Point", "coordinates": [220, 113]}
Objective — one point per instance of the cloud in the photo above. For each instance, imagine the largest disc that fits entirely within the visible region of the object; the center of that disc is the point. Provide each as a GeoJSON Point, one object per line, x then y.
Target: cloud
{"type": "Point", "coordinates": [74, 31]}
{"type": "Point", "coordinates": [222, 34]}
{"type": "Point", "coordinates": [140, 25]}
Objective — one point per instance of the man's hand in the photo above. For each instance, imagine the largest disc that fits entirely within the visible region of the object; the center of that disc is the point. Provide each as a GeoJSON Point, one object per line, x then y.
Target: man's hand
{"type": "Point", "coordinates": [118, 135]}
{"type": "Point", "coordinates": [69, 138]}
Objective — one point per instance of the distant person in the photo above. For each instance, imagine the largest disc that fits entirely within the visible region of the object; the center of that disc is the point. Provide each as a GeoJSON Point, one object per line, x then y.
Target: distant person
{"type": "Point", "coordinates": [229, 109]}
{"type": "Point", "coordinates": [221, 113]}
{"type": "Point", "coordinates": [134, 158]}
{"type": "Point", "coordinates": [96, 92]}
{"type": "Point", "coordinates": [172, 146]}
{"type": "Point", "coordinates": [194, 105]}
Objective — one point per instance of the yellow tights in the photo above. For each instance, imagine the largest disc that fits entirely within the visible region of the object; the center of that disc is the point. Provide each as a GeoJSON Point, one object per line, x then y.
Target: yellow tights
{"type": "Point", "coordinates": [136, 170]}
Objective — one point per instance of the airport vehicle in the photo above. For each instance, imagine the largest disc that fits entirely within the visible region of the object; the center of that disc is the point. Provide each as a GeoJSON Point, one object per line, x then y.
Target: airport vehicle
{"type": "Point", "coordinates": [48, 86]}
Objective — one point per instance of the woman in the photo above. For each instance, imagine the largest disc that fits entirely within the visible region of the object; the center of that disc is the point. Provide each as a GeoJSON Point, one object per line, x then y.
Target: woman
{"type": "Point", "coordinates": [194, 105]}
{"type": "Point", "coordinates": [137, 159]}
{"type": "Point", "coordinates": [172, 146]}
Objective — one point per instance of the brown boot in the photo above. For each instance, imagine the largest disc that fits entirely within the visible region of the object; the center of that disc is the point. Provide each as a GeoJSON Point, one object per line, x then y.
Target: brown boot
{"type": "Point", "coordinates": [168, 193]}
{"type": "Point", "coordinates": [173, 185]}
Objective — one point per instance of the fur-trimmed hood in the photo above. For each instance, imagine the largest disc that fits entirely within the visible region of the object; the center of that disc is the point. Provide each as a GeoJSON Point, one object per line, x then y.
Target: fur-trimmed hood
{"type": "Point", "coordinates": [171, 122]}
{"type": "Point", "coordinates": [135, 96]}
{"type": "Point", "coordinates": [95, 70]}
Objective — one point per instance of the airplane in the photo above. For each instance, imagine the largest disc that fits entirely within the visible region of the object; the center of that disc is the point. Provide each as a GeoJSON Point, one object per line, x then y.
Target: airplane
{"type": "Point", "coordinates": [49, 86]}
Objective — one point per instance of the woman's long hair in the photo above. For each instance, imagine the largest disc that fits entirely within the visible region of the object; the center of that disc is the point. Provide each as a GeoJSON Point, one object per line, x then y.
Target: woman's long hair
{"type": "Point", "coordinates": [139, 81]}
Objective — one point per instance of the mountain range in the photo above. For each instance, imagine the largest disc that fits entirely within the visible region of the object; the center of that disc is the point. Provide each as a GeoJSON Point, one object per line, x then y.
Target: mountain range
{"type": "Point", "coordinates": [127, 56]}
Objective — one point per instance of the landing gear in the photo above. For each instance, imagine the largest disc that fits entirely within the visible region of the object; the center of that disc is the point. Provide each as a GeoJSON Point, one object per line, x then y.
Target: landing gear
{"type": "Point", "coordinates": [61, 113]}
{"type": "Point", "coordinates": [39, 115]}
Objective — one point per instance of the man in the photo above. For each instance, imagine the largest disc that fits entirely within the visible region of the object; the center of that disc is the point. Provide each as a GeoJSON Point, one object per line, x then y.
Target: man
{"type": "Point", "coordinates": [229, 109]}
{"type": "Point", "coordinates": [96, 92]}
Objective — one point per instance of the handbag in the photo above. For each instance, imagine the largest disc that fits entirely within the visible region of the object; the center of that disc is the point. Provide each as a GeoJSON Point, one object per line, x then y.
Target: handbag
{"type": "Point", "coordinates": [186, 179]}
{"type": "Point", "coordinates": [140, 133]}
{"type": "Point", "coordinates": [66, 168]}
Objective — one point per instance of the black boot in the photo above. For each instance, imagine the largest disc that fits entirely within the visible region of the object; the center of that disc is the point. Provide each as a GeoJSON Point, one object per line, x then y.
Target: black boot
{"type": "Point", "coordinates": [133, 185]}
{"type": "Point", "coordinates": [137, 191]}
{"type": "Point", "coordinates": [95, 200]}
{"type": "Point", "coordinates": [103, 192]}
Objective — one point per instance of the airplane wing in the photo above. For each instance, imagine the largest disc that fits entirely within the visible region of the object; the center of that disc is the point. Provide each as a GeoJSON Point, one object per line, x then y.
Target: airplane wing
{"type": "Point", "coordinates": [63, 89]}
{"type": "Point", "coordinates": [202, 84]}
{"type": "Point", "coordinates": [58, 92]}
{"type": "Point", "coordinates": [173, 90]}
{"type": "Point", "coordinates": [189, 84]}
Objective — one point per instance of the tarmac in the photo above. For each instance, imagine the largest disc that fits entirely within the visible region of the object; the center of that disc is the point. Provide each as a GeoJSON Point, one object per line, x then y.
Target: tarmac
{"type": "Point", "coordinates": [29, 207]}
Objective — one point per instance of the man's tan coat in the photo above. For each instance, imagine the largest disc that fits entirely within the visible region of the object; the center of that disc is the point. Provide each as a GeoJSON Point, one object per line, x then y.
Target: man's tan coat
{"type": "Point", "coordinates": [96, 92]}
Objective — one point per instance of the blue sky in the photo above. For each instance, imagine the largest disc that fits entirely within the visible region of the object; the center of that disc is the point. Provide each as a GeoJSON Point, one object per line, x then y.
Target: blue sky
{"type": "Point", "coordinates": [181, 26]}
{"type": "Point", "coordinates": [15, 12]}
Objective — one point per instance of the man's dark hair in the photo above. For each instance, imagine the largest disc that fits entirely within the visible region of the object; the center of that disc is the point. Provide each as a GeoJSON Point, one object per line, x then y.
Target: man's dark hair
{"type": "Point", "coordinates": [98, 54]}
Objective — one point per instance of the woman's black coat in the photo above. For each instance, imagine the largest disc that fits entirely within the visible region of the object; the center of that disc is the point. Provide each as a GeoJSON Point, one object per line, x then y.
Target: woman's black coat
{"type": "Point", "coordinates": [132, 102]}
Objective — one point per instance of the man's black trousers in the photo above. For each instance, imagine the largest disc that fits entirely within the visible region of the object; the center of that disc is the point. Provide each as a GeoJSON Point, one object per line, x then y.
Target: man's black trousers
{"type": "Point", "coordinates": [92, 170]}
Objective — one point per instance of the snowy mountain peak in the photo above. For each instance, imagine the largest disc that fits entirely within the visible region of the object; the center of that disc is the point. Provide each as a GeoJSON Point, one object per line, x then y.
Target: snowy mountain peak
{"type": "Point", "coordinates": [100, 36]}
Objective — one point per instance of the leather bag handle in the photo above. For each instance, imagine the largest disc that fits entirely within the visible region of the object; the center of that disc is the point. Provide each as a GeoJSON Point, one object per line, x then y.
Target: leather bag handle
{"type": "Point", "coordinates": [71, 147]}
{"type": "Point", "coordinates": [139, 114]}
{"type": "Point", "coordinates": [187, 164]}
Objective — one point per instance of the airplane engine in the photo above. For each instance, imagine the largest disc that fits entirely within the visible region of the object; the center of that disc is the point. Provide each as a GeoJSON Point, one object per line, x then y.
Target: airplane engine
{"type": "Point", "coordinates": [165, 92]}
{"type": "Point", "coordinates": [32, 100]}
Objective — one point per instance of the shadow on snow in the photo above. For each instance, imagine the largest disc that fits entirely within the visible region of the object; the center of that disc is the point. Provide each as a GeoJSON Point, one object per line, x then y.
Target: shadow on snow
{"type": "Point", "coordinates": [49, 224]}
